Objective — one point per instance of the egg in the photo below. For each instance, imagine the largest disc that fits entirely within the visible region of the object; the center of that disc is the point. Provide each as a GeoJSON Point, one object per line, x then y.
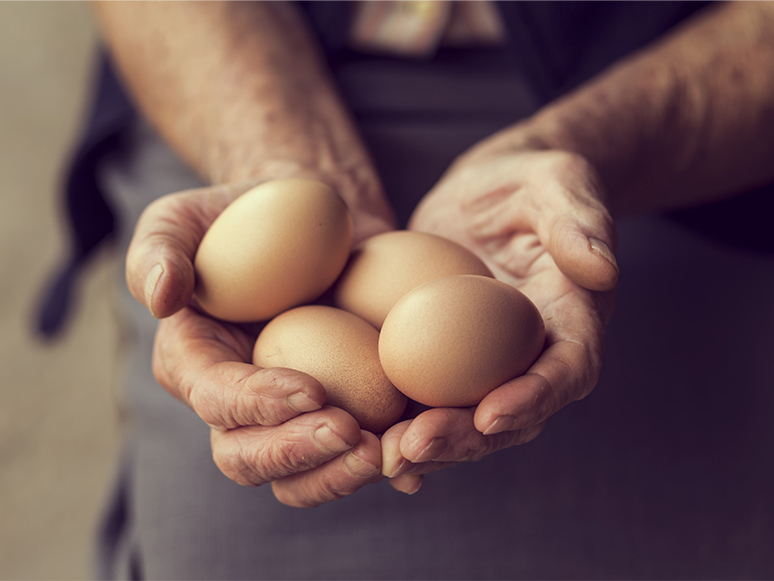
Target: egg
{"type": "Point", "coordinates": [385, 267]}
{"type": "Point", "coordinates": [340, 350]}
{"type": "Point", "coordinates": [451, 341]}
{"type": "Point", "coordinates": [279, 245]}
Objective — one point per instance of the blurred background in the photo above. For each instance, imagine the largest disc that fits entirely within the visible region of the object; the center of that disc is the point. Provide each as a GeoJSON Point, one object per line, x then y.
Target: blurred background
{"type": "Point", "coordinates": [58, 405]}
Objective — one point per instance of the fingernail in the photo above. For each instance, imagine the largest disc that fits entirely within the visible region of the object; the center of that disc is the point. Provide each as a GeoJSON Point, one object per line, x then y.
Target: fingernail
{"type": "Point", "coordinates": [501, 424]}
{"type": "Point", "coordinates": [150, 285]}
{"type": "Point", "coordinates": [356, 466]}
{"type": "Point", "coordinates": [433, 450]}
{"type": "Point", "coordinates": [329, 441]}
{"type": "Point", "coordinates": [300, 402]}
{"type": "Point", "coordinates": [603, 250]}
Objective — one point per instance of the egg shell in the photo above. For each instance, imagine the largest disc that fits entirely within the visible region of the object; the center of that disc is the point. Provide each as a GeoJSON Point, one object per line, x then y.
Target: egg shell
{"type": "Point", "coordinates": [279, 245]}
{"type": "Point", "coordinates": [340, 350]}
{"type": "Point", "coordinates": [383, 268]}
{"type": "Point", "coordinates": [451, 341]}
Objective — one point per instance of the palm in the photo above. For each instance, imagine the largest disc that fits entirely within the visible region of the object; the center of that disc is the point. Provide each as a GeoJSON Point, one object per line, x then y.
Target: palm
{"type": "Point", "coordinates": [519, 212]}
{"type": "Point", "coordinates": [265, 422]}
{"type": "Point", "coordinates": [499, 220]}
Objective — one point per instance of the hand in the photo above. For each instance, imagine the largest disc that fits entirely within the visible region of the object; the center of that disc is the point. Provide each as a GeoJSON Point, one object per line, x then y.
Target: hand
{"type": "Point", "coordinates": [537, 219]}
{"type": "Point", "coordinates": [267, 425]}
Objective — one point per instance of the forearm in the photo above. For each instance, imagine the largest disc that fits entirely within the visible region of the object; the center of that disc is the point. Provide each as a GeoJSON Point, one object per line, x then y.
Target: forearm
{"type": "Point", "coordinates": [239, 91]}
{"type": "Point", "coordinates": [686, 120]}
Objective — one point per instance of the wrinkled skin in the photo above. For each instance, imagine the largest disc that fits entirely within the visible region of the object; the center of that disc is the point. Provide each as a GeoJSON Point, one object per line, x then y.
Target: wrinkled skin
{"type": "Point", "coordinates": [529, 215]}
{"type": "Point", "coordinates": [267, 425]}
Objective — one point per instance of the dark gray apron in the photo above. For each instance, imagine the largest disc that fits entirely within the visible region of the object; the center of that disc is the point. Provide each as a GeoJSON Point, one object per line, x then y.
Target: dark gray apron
{"type": "Point", "coordinates": [665, 471]}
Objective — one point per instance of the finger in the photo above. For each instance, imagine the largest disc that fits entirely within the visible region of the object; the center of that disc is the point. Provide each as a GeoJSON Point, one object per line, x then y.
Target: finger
{"type": "Point", "coordinates": [448, 435]}
{"type": "Point", "coordinates": [255, 455]}
{"type": "Point", "coordinates": [203, 363]}
{"type": "Point", "coordinates": [583, 253]}
{"type": "Point", "coordinates": [402, 472]}
{"type": "Point", "coordinates": [336, 479]}
{"type": "Point", "coordinates": [159, 262]}
{"type": "Point", "coordinates": [573, 223]}
{"type": "Point", "coordinates": [565, 372]}
{"type": "Point", "coordinates": [393, 462]}
{"type": "Point", "coordinates": [407, 483]}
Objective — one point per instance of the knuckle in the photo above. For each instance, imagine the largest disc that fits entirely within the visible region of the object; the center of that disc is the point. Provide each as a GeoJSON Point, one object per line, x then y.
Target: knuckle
{"type": "Point", "coordinates": [232, 464]}
{"type": "Point", "coordinates": [209, 409]}
{"type": "Point", "coordinates": [283, 458]}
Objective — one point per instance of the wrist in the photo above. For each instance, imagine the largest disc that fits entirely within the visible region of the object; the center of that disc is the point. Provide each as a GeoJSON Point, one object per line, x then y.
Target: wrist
{"type": "Point", "coordinates": [311, 137]}
{"type": "Point", "coordinates": [552, 129]}
{"type": "Point", "coordinates": [545, 133]}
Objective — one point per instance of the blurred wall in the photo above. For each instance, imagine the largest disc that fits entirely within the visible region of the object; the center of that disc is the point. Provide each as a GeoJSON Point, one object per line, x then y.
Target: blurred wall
{"type": "Point", "coordinates": [58, 405]}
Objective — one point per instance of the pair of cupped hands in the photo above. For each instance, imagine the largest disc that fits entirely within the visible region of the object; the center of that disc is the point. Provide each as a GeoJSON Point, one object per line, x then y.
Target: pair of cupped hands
{"type": "Point", "coordinates": [538, 220]}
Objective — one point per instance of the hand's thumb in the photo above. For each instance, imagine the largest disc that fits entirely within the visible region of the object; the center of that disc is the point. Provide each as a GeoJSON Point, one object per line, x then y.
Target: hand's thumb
{"type": "Point", "coordinates": [585, 257]}
{"type": "Point", "coordinates": [159, 262]}
{"type": "Point", "coordinates": [167, 285]}
{"type": "Point", "coordinates": [160, 275]}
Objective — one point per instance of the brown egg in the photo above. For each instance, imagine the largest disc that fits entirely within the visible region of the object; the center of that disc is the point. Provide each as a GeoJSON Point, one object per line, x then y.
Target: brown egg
{"type": "Point", "coordinates": [451, 341]}
{"type": "Point", "coordinates": [279, 245]}
{"type": "Point", "coordinates": [385, 267]}
{"type": "Point", "coordinates": [340, 350]}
